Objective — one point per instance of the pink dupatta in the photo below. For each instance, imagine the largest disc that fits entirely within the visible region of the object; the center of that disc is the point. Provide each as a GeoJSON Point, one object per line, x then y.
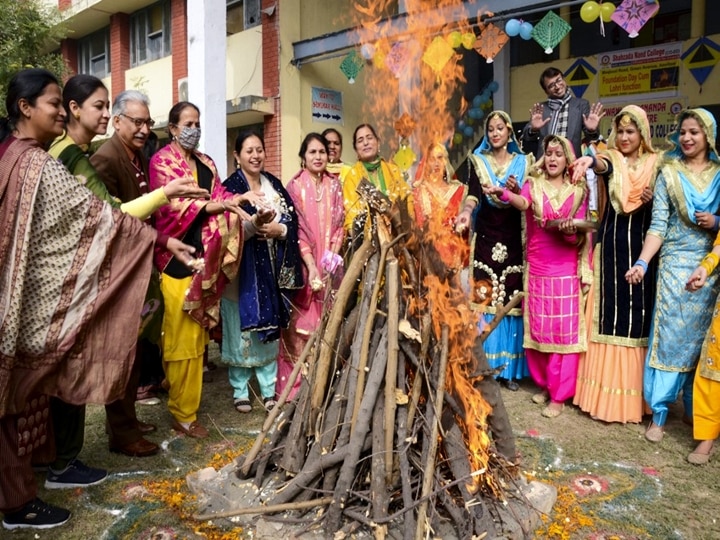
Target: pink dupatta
{"type": "Point", "coordinates": [221, 234]}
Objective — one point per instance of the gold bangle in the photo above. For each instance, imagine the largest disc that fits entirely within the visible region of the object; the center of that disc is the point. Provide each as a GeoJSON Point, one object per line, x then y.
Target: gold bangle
{"type": "Point", "coordinates": [710, 262]}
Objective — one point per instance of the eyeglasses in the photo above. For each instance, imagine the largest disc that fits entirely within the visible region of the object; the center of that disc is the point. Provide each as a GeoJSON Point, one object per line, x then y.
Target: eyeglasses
{"type": "Point", "coordinates": [552, 85]}
{"type": "Point", "coordinates": [140, 121]}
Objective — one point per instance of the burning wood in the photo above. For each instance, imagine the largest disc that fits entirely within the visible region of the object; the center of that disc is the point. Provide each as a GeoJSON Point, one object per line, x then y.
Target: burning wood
{"type": "Point", "coordinates": [389, 430]}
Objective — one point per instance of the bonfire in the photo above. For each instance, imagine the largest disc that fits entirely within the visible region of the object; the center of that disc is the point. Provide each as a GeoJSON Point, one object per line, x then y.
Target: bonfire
{"type": "Point", "coordinates": [392, 428]}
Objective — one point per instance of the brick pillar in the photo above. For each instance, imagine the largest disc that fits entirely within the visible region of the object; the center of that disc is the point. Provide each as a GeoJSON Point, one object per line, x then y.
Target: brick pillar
{"type": "Point", "coordinates": [119, 51]}
{"type": "Point", "coordinates": [69, 52]}
{"type": "Point", "coordinates": [271, 85]}
{"type": "Point", "coordinates": [178, 29]}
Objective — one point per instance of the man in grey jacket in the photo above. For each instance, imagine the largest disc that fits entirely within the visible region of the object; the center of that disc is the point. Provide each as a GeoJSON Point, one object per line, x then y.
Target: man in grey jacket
{"type": "Point", "coordinates": [562, 114]}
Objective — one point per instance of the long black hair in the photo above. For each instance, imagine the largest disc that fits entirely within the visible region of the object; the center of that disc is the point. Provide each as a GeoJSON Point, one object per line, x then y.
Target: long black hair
{"type": "Point", "coordinates": [78, 88]}
{"type": "Point", "coordinates": [28, 84]}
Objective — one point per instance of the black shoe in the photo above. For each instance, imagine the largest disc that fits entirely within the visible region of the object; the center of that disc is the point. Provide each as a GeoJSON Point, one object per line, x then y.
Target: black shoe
{"type": "Point", "coordinates": [512, 385]}
{"type": "Point", "coordinates": [75, 475]}
{"type": "Point", "coordinates": [36, 515]}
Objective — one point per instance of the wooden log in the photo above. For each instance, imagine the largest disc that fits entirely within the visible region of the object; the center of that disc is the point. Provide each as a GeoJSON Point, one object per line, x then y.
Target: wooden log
{"type": "Point", "coordinates": [379, 499]}
{"type": "Point", "coordinates": [279, 430]}
{"type": "Point", "coordinates": [245, 469]}
{"type": "Point", "coordinates": [270, 509]}
{"type": "Point", "coordinates": [403, 444]}
{"type": "Point", "coordinates": [500, 314]}
{"type": "Point", "coordinates": [295, 453]}
{"type": "Point", "coordinates": [329, 339]}
{"type": "Point", "coordinates": [384, 249]}
{"type": "Point", "coordinates": [425, 332]}
{"type": "Point", "coordinates": [347, 471]}
{"type": "Point", "coordinates": [393, 298]}
{"type": "Point", "coordinates": [433, 437]}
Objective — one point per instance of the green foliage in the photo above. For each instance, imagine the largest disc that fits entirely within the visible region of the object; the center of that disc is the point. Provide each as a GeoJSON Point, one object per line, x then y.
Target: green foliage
{"type": "Point", "coordinates": [29, 31]}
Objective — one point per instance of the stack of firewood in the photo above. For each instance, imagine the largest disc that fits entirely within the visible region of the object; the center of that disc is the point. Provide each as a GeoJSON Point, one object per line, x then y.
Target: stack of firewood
{"type": "Point", "coordinates": [398, 423]}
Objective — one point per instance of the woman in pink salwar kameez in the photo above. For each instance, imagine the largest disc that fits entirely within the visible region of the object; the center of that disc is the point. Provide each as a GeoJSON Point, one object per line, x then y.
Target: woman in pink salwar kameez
{"type": "Point", "coordinates": [318, 199]}
{"type": "Point", "coordinates": [557, 272]}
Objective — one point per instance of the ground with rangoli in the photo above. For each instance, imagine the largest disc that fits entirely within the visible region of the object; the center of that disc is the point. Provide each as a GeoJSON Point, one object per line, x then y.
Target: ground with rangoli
{"type": "Point", "coordinates": [612, 484]}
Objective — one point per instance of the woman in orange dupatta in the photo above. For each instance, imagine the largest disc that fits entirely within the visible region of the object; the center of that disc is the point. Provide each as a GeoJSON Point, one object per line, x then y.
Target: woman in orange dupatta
{"type": "Point", "coordinates": [610, 376]}
{"type": "Point", "coordinates": [435, 191]}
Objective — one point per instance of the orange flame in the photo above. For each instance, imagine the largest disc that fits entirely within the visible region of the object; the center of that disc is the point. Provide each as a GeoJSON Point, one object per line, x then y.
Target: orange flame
{"type": "Point", "coordinates": [432, 96]}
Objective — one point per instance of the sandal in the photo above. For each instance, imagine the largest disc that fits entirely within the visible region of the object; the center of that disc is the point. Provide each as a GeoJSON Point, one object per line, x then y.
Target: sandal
{"type": "Point", "coordinates": [242, 405]}
{"type": "Point", "coordinates": [654, 433]}
{"type": "Point", "coordinates": [552, 412]}
{"type": "Point", "coordinates": [269, 403]}
{"type": "Point", "coordinates": [541, 397]}
{"type": "Point", "coordinates": [512, 385]}
{"type": "Point", "coordinates": [699, 458]}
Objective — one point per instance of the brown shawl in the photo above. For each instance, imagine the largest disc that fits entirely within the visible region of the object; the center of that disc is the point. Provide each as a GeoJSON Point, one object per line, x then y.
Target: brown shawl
{"type": "Point", "coordinates": [73, 276]}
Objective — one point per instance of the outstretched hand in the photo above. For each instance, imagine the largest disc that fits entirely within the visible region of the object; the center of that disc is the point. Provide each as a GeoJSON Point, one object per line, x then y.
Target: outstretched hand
{"type": "Point", "coordinates": [536, 117]}
{"type": "Point", "coordinates": [592, 120]}
{"type": "Point", "coordinates": [697, 279]}
{"type": "Point", "coordinates": [185, 187]}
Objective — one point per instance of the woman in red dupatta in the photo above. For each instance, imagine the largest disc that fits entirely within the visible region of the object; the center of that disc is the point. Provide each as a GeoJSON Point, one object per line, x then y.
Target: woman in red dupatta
{"type": "Point", "coordinates": [192, 299]}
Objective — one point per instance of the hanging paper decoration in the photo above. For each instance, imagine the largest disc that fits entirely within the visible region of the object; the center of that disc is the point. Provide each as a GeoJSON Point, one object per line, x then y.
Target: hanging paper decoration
{"type": "Point", "coordinates": [351, 65]}
{"type": "Point", "coordinates": [632, 15]}
{"type": "Point", "coordinates": [701, 58]}
{"type": "Point", "coordinates": [490, 42]}
{"type": "Point", "coordinates": [398, 57]}
{"type": "Point", "coordinates": [404, 157]}
{"type": "Point", "coordinates": [550, 31]}
{"type": "Point", "coordinates": [405, 125]}
{"type": "Point", "coordinates": [438, 54]}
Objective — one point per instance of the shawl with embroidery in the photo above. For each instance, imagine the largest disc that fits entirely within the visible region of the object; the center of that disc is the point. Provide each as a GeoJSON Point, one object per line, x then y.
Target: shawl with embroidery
{"type": "Point", "coordinates": [269, 270]}
{"type": "Point", "coordinates": [73, 276]}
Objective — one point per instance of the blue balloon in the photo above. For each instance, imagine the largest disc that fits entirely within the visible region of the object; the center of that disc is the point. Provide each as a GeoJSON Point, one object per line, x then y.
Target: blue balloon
{"type": "Point", "coordinates": [468, 131]}
{"type": "Point", "coordinates": [485, 95]}
{"type": "Point", "coordinates": [472, 113]}
{"type": "Point", "coordinates": [477, 101]}
{"type": "Point", "coordinates": [461, 125]}
{"type": "Point", "coordinates": [480, 114]}
{"type": "Point", "coordinates": [493, 86]}
{"type": "Point", "coordinates": [526, 31]}
{"type": "Point", "coordinates": [512, 27]}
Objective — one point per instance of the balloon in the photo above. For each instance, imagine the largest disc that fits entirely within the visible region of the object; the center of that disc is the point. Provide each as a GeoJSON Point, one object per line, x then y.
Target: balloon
{"type": "Point", "coordinates": [469, 121]}
{"type": "Point", "coordinates": [468, 40]}
{"type": "Point", "coordinates": [457, 138]}
{"type": "Point", "coordinates": [473, 113]}
{"type": "Point", "coordinates": [512, 27]}
{"type": "Point", "coordinates": [461, 125]}
{"type": "Point", "coordinates": [454, 39]}
{"type": "Point", "coordinates": [468, 131]}
{"type": "Point", "coordinates": [590, 11]}
{"type": "Point", "coordinates": [367, 51]}
{"type": "Point", "coordinates": [493, 86]}
{"type": "Point", "coordinates": [526, 31]}
{"type": "Point", "coordinates": [477, 101]}
{"type": "Point", "coordinates": [480, 113]}
{"type": "Point", "coordinates": [606, 11]}
{"type": "Point", "coordinates": [485, 95]}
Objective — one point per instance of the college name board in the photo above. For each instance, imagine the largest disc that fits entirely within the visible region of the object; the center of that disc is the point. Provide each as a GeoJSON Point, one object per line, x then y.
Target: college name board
{"type": "Point", "coordinates": [639, 71]}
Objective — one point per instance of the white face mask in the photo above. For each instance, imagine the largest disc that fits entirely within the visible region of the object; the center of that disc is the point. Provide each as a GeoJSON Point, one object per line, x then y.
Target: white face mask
{"type": "Point", "coordinates": [189, 138]}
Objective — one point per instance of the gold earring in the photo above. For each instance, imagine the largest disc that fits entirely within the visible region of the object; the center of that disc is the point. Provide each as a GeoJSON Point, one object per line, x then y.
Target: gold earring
{"type": "Point", "coordinates": [77, 116]}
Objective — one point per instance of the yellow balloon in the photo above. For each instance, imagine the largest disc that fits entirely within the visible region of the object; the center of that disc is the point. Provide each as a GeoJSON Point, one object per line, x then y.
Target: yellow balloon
{"type": "Point", "coordinates": [606, 11]}
{"type": "Point", "coordinates": [590, 11]}
{"type": "Point", "coordinates": [454, 39]}
{"type": "Point", "coordinates": [468, 40]}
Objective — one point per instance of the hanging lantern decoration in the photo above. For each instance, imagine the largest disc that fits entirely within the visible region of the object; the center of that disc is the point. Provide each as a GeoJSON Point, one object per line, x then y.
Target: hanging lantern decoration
{"type": "Point", "coordinates": [351, 65]}
{"type": "Point", "coordinates": [404, 157]}
{"type": "Point", "coordinates": [550, 31]}
{"type": "Point", "coordinates": [397, 59]}
{"type": "Point", "coordinates": [438, 54]}
{"type": "Point", "coordinates": [490, 42]}
{"type": "Point", "coordinates": [632, 15]}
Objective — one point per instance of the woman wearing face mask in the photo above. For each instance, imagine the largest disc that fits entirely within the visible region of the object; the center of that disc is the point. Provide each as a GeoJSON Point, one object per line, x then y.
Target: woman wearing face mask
{"type": "Point", "coordinates": [497, 242]}
{"type": "Point", "coordinates": [192, 299]}
{"type": "Point", "coordinates": [256, 305]}
{"type": "Point", "coordinates": [687, 195]}
{"type": "Point", "coordinates": [319, 205]}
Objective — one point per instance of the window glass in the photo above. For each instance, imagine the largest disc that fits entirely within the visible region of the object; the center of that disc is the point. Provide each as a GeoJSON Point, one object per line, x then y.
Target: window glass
{"type": "Point", "coordinates": [150, 33]}
{"type": "Point", "coordinates": [93, 54]}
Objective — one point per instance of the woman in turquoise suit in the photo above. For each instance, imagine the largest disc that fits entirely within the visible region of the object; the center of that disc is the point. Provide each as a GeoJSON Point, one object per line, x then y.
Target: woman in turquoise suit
{"type": "Point", "coordinates": [682, 229]}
